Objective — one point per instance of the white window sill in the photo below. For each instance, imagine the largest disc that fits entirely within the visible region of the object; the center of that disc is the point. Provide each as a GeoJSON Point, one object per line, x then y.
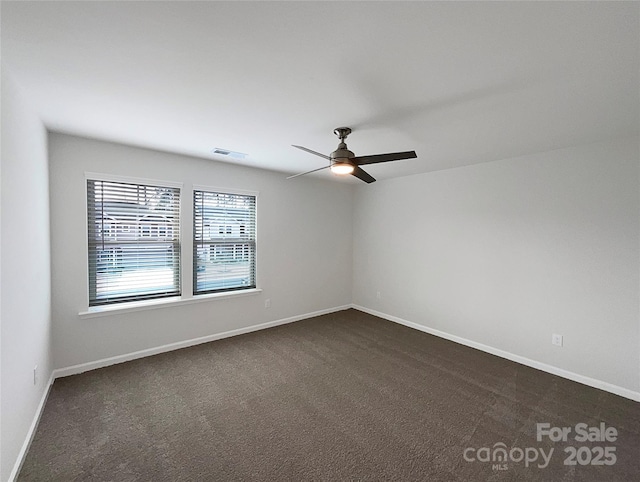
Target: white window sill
{"type": "Point", "coordinates": [119, 308]}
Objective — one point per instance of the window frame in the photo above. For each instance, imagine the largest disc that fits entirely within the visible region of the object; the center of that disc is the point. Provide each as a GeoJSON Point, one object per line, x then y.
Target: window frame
{"type": "Point", "coordinates": [132, 301]}
{"type": "Point", "coordinates": [194, 254]}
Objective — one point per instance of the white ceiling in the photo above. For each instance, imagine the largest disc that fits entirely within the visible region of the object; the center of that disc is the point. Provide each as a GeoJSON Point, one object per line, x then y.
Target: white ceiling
{"type": "Point", "coordinates": [460, 83]}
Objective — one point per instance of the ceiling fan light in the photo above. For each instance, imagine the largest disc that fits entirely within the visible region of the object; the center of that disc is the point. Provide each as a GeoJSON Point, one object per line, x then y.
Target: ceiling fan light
{"type": "Point", "coordinates": [342, 168]}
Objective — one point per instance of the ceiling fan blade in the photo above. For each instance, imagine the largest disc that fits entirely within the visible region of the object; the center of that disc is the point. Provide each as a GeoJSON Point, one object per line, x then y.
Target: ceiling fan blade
{"type": "Point", "coordinates": [308, 172]}
{"type": "Point", "coordinates": [363, 175]}
{"type": "Point", "coordinates": [394, 156]}
{"type": "Point", "coordinates": [311, 152]}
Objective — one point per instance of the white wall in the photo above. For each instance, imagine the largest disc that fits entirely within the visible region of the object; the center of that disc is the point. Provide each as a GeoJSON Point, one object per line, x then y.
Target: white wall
{"type": "Point", "coordinates": [304, 250]}
{"type": "Point", "coordinates": [508, 252]}
{"type": "Point", "coordinates": [25, 271]}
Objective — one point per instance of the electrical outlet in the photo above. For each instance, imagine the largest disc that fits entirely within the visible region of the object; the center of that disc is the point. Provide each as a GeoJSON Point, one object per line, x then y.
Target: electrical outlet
{"type": "Point", "coordinates": [556, 340]}
{"type": "Point", "coordinates": [378, 295]}
{"type": "Point", "coordinates": [267, 303]}
{"type": "Point", "coordinates": [35, 374]}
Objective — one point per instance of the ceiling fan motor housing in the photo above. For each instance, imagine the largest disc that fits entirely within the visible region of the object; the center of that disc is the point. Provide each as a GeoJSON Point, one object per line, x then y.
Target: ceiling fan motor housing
{"type": "Point", "coordinates": [342, 154]}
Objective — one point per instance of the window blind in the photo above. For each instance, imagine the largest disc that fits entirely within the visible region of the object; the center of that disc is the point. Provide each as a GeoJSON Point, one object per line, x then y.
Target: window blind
{"type": "Point", "coordinates": [224, 242]}
{"type": "Point", "coordinates": [134, 241]}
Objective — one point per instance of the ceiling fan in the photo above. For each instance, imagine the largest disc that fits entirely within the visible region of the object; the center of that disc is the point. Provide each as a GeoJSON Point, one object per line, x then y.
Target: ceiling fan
{"type": "Point", "coordinates": [343, 161]}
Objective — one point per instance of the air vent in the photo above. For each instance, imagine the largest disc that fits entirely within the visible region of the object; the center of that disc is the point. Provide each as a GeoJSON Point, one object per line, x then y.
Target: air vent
{"type": "Point", "coordinates": [226, 152]}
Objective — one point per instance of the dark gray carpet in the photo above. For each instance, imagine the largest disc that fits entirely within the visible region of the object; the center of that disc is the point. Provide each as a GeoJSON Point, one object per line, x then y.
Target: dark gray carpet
{"type": "Point", "coordinates": [345, 396]}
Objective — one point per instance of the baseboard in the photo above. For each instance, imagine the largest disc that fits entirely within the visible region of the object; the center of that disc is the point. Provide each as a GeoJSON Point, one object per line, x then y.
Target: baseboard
{"type": "Point", "coordinates": [83, 367]}
{"type": "Point", "coordinates": [31, 432]}
{"type": "Point", "coordinates": [592, 382]}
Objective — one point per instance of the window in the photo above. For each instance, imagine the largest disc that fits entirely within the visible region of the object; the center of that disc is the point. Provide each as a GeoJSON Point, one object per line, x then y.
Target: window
{"type": "Point", "coordinates": [134, 241]}
{"type": "Point", "coordinates": [224, 242]}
